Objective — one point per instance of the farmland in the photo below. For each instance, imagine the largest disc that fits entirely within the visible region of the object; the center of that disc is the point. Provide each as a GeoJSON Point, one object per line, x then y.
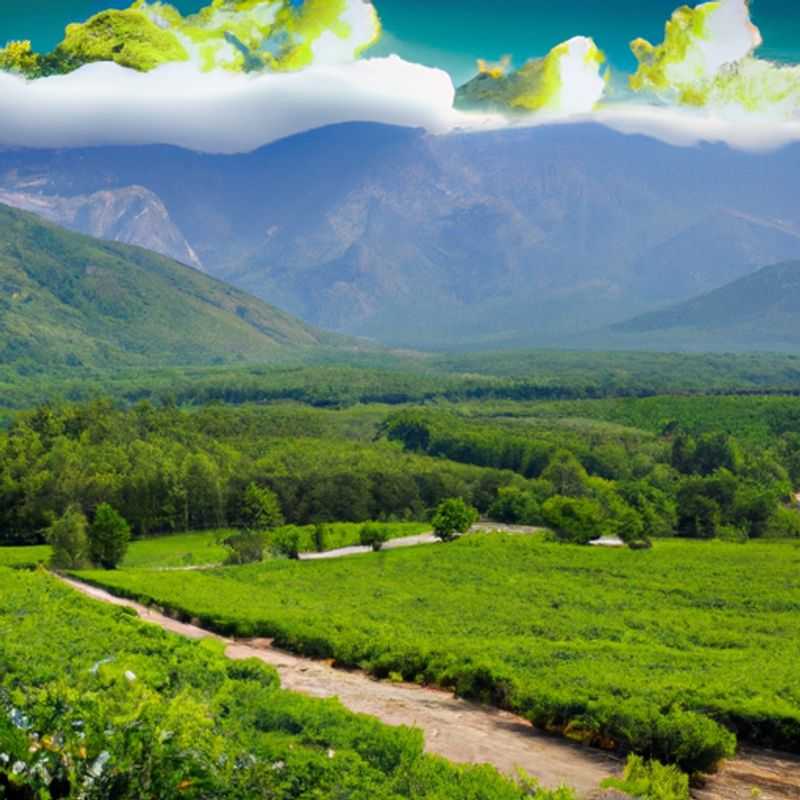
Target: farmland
{"type": "Point", "coordinates": [665, 652]}
{"type": "Point", "coordinates": [121, 709]}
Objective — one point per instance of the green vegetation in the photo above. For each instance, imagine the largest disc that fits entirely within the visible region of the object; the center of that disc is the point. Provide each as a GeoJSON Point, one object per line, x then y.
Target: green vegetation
{"type": "Point", "coordinates": [651, 781]}
{"type": "Point", "coordinates": [452, 518]}
{"type": "Point", "coordinates": [94, 703]}
{"type": "Point", "coordinates": [660, 651]}
{"type": "Point", "coordinates": [73, 301]}
{"type": "Point", "coordinates": [108, 537]}
{"type": "Point", "coordinates": [207, 548]}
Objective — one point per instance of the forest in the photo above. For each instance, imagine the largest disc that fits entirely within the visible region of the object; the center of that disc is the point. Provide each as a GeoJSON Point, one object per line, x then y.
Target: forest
{"type": "Point", "coordinates": [585, 470]}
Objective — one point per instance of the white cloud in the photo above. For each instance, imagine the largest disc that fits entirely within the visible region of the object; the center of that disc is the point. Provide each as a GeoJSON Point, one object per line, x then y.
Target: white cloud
{"type": "Point", "coordinates": [102, 104]}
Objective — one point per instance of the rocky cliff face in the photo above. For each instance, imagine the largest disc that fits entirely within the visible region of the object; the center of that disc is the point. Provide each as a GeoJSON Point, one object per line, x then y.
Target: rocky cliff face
{"type": "Point", "coordinates": [130, 215]}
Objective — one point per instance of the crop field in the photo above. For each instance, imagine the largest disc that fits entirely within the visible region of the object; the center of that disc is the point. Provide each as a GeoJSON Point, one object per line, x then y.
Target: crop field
{"type": "Point", "coordinates": [671, 652]}
{"type": "Point", "coordinates": [94, 703]}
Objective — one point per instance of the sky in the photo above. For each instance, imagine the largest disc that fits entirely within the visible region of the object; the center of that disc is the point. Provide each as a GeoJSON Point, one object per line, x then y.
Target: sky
{"type": "Point", "coordinates": [452, 34]}
{"type": "Point", "coordinates": [737, 81]}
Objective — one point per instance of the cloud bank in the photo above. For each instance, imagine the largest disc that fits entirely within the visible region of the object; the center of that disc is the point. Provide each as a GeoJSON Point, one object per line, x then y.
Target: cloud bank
{"type": "Point", "coordinates": [243, 73]}
{"type": "Point", "coordinates": [104, 104]}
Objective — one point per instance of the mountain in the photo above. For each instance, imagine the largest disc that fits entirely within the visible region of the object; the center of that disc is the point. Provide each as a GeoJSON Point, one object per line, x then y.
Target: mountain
{"type": "Point", "coordinates": [131, 215]}
{"type": "Point", "coordinates": [70, 300]}
{"type": "Point", "coordinates": [758, 312]}
{"type": "Point", "coordinates": [491, 239]}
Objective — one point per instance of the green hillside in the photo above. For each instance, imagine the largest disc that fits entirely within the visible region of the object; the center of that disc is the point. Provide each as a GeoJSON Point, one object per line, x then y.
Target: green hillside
{"type": "Point", "coordinates": [758, 312]}
{"type": "Point", "coordinates": [70, 300]}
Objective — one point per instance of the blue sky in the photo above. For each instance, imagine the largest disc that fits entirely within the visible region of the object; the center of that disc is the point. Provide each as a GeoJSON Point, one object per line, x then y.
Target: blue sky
{"type": "Point", "coordinates": [452, 33]}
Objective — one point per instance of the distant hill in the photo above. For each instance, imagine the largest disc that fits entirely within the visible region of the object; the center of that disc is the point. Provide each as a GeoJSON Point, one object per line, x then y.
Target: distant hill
{"type": "Point", "coordinates": [758, 312]}
{"type": "Point", "coordinates": [70, 300]}
{"type": "Point", "coordinates": [497, 239]}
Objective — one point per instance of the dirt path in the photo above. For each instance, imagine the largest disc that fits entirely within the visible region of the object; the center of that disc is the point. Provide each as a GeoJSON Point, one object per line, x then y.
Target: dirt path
{"type": "Point", "coordinates": [456, 729]}
{"type": "Point", "coordinates": [773, 776]}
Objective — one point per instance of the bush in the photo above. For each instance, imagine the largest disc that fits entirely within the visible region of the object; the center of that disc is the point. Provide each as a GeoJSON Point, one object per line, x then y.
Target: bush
{"type": "Point", "coordinates": [453, 517]}
{"type": "Point", "coordinates": [286, 543]}
{"type": "Point", "coordinates": [574, 519]}
{"type": "Point", "coordinates": [109, 535]}
{"type": "Point", "coordinates": [783, 524]}
{"type": "Point", "coordinates": [245, 547]}
{"type": "Point", "coordinates": [374, 536]}
{"type": "Point", "coordinates": [320, 537]}
{"type": "Point", "coordinates": [69, 540]}
{"type": "Point", "coordinates": [651, 780]}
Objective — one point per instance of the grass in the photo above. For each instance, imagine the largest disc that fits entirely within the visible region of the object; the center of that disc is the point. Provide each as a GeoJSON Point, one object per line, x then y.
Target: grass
{"type": "Point", "coordinates": [660, 651]}
{"type": "Point", "coordinates": [204, 548]}
{"type": "Point", "coordinates": [95, 703]}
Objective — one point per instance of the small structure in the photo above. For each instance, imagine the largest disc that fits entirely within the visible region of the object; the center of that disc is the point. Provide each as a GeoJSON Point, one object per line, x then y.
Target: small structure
{"type": "Point", "coordinates": [607, 541]}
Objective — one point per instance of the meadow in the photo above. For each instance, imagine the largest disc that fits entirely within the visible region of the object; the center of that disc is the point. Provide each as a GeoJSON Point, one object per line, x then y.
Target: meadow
{"type": "Point", "coordinates": [672, 653]}
{"type": "Point", "coordinates": [122, 709]}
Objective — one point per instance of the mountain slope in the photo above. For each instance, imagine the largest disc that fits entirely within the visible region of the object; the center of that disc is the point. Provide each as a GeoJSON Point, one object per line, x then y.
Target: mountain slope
{"type": "Point", "coordinates": [758, 312]}
{"type": "Point", "coordinates": [513, 237]}
{"type": "Point", "coordinates": [67, 299]}
{"type": "Point", "coordinates": [131, 215]}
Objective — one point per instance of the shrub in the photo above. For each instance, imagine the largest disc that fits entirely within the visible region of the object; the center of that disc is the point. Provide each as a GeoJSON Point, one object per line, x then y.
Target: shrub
{"type": "Point", "coordinates": [109, 535]}
{"type": "Point", "coordinates": [453, 517]}
{"type": "Point", "coordinates": [69, 540]}
{"type": "Point", "coordinates": [651, 780]}
{"type": "Point", "coordinates": [286, 543]}
{"type": "Point", "coordinates": [574, 519]}
{"type": "Point", "coordinates": [320, 537]}
{"type": "Point", "coordinates": [245, 547]}
{"type": "Point", "coordinates": [374, 536]}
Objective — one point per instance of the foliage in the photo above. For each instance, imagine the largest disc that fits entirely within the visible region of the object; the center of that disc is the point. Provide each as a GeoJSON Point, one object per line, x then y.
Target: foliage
{"type": "Point", "coordinates": [109, 535]}
{"type": "Point", "coordinates": [245, 547]}
{"type": "Point", "coordinates": [650, 780]}
{"type": "Point", "coordinates": [260, 508]}
{"type": "Point", "coordinates": [374, 536]}
{"type": "Point", "coordinates": [69, 540]}
{"type": "Point", "coordinates": [122, 709]}
{"type": "Point", "coordinates": [637, 650]}
{"type": "Point", "coordinates": [453, 517]}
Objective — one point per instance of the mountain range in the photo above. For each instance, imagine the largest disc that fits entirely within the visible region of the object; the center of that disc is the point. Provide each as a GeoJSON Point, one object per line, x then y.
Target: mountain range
{"type": "Point", "coordinates": [70, 300]}
{"type": "Point", "coordinates": [529, 236]}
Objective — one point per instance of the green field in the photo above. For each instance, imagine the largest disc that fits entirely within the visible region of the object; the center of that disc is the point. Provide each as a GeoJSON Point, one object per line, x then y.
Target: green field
{"type": "Point", "coordinates": [205, 548]}
{"type": "Point", "coordinates": [662, 651]}
{"type": "Point", "coordinates": [95, 704]}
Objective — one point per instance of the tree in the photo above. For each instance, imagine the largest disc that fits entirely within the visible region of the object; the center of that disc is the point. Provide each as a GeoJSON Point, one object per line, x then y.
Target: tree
{"type": "Point", "coordinates": [453, 517]}
{"type": "Point", "coordinates": [109, 535]}
{"type": "Point", "coordinates": [575, 519]}
{"type": "Point", "coordinates": [374, 536]}
{"type": "Point", "coordinates": [67, 536]}
{"type": "Point", "coordinates": [566, 474]}
{"type": "Point", "coordinates": [261, 509]}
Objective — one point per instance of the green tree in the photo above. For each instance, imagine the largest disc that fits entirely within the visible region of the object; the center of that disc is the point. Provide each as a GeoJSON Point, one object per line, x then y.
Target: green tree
{"type": "Point", "coordinates": [575, 519]}
{"type": "Point", "coordinates": [566, 474]}
{"type": "Point", "coordinates": [109, 535]}
{"type": "Point", "coordinates": [69, 540]}
{"type": "Point", "coordinates": [453, 517]}
{"type": "Point", "coordinates": [261, 509]}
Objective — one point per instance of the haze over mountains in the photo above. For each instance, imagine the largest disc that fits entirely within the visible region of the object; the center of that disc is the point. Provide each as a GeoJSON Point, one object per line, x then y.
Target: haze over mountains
{"type": "Point", "coordinates": [69, 300]}
{"type": "Point", "coordinates": [510, 238]}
